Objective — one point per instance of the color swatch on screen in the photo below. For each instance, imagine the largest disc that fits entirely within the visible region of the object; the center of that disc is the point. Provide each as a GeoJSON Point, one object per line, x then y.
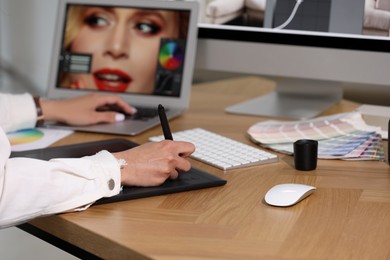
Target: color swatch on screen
{"type": "Point", "coordinates": [171, 56]}
{"type": "Point", "coordinates": [25, 136]}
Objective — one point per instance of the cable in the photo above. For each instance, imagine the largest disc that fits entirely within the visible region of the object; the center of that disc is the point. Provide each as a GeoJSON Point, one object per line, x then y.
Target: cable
{"type": "Point", "coordinates": [297, 4]}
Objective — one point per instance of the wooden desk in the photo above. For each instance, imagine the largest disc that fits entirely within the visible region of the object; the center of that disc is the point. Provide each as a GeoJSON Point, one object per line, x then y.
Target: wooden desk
{"type": "Point", "coordinates": [348, 216]}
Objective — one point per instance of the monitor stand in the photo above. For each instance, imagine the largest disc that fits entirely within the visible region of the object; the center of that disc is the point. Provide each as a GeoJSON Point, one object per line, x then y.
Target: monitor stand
{"type": "Point", "coordinates": [293, 99]}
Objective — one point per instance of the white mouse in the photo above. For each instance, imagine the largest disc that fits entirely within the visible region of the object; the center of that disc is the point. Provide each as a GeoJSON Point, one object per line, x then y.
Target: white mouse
{"type": "Point", "coordinates": [284, 195]}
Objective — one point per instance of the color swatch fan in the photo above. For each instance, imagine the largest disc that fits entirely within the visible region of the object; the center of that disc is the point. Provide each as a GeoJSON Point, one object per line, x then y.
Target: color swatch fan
{"type": "Point", "coordinates": [171, 56]}
{"type": "Point", "coordinates": [24, 136]}
{"type": "Point", "coordinates": [30, 139]}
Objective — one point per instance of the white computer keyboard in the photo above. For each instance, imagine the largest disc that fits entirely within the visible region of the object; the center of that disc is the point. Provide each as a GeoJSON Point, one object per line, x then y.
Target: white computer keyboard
{"type": "Point", "coordinates": [220, 151]}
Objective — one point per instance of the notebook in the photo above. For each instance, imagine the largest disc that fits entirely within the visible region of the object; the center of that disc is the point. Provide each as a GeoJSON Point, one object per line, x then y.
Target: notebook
{"type": "Point", "coordinates": [191, 180]}
{"type": "Point", "coordinates": [142, 50]}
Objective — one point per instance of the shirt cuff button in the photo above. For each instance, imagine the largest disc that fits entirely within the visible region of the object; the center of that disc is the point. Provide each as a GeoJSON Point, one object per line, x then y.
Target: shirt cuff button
{"type": "Point", "coordinates": [111, 184]}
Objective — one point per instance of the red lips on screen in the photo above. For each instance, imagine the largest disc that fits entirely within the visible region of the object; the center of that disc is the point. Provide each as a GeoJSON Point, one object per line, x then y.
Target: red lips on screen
{"type": "Point", "coordinates": [112, 80]}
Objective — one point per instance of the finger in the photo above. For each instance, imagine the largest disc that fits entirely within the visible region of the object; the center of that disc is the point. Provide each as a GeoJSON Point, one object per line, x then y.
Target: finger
{"type": "Point", "coordinates": [108, 117]}
{"type": "Point", "coordinates": [126, 107]}
{"type": "Point", "coordinates": [185, 149]}
{"type": "Point", "coordinates": [117, 101]}
{"type": "Point", "coordinates": [174, 175]}
{"type": "Point", "coordinates": [182, 165]}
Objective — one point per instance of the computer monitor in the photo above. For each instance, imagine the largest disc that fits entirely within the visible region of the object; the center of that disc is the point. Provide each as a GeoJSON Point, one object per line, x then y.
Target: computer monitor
{"type": "Point", "coordinates": [326, 45]}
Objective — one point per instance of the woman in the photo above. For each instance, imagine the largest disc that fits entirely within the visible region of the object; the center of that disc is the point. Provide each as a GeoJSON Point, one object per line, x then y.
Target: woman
{"type": "Point", "coordinates": [30, 188]}
{"type": "Point", "coordinates": [124, 43]}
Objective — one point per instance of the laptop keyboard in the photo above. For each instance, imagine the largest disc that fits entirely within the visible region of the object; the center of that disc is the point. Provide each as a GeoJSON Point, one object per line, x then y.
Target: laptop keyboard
{"type": "Point", "coordinates": [220, 151]}
{"type": "Point", "coordinates": [143, 113]}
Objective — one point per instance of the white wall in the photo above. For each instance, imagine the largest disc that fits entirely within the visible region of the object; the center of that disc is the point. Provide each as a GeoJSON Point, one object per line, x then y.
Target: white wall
{"type": "Point", "coordinates": [26, 33]}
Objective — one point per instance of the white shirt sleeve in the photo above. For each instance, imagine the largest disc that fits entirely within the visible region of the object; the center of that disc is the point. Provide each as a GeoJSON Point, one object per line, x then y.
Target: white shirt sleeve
{"type": "Point", "coordinates": [31, 188]}
{"type": "Point", "coordinates": [17, 112]}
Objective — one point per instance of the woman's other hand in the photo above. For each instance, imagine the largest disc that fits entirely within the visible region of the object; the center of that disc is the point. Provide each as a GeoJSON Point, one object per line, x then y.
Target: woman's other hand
{"type": "Point", "coordinates": [83, 110]}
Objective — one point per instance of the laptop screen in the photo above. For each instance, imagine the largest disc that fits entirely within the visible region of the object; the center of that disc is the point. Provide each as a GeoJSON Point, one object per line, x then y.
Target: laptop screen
{"type": "Point", "coordinates": [124, 49]}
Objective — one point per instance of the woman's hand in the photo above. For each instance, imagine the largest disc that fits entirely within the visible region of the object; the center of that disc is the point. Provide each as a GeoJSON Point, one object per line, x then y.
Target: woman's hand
{"type": "Point", "coordinates": [83, 110]}
{"type": "Point", "coordinates": [151, 164]}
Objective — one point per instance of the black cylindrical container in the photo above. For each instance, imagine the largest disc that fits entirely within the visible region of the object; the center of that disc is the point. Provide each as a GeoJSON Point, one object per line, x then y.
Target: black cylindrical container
{"type": "Point", "coordinates": [305, 154]}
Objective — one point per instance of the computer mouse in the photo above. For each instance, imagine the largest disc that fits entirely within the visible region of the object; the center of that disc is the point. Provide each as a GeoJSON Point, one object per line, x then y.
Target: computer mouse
{"type": "Point", "coordinates": [288, 194]}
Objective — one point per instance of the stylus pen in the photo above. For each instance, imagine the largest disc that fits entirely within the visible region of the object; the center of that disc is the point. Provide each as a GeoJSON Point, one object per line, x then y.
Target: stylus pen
{"type": "Point", "coordinates": [164, 123]}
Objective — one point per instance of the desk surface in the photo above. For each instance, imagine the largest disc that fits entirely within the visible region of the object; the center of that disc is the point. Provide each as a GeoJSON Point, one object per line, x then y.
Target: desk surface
{"type": "Point", "coordinates": [346, 218]}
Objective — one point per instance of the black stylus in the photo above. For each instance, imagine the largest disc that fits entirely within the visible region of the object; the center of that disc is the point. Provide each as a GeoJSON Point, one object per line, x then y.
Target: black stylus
{"type": "Point", "coordinates": [164, 123]}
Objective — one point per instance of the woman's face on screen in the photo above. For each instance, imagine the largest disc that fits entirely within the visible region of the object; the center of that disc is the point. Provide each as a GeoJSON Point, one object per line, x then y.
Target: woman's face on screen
{"type": "Point", "coordinates": [124, 44]}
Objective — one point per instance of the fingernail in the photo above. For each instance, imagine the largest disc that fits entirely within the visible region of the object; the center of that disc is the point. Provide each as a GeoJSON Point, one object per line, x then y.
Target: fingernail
{"type": "Point", "coordinates": [119, 117]}
{"type": "Point", "coordinates": [134, 110]}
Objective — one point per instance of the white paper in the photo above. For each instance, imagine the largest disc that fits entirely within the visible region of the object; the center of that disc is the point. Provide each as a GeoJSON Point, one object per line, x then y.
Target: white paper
{"type": "Point", "coordinates": [36, 138]}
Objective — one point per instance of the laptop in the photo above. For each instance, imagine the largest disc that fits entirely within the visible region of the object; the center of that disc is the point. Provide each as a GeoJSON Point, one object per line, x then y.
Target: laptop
{"type": "Point", "coordinates": [192, 180]}
{"type": "Point", "coordinates": [142, 50]}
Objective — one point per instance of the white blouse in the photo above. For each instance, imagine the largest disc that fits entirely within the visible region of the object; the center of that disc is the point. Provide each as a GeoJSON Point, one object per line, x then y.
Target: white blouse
{"type": "Point", "coordinates": [31, 188]}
